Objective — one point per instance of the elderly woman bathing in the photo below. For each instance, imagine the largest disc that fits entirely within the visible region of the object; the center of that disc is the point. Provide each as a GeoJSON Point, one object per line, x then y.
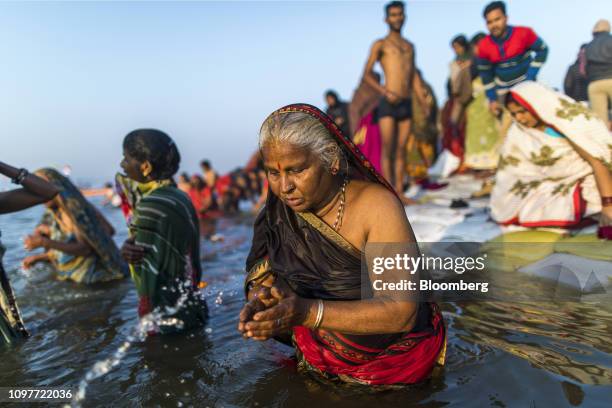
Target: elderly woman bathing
{"type": "Point", "coordinates": [304, 269]}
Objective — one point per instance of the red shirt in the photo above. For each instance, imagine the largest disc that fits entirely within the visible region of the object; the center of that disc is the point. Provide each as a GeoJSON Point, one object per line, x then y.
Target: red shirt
{"type": "Point", "coordinates": [199, 197]}
{"type": "Point", "coordinates": [518, 43]}
{"type": "Point", "coordinates": [223, 184]}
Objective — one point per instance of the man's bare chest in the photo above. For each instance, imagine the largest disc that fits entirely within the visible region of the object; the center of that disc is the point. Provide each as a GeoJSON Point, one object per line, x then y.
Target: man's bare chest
{"type": "Point", "coordinates": [396, 52]}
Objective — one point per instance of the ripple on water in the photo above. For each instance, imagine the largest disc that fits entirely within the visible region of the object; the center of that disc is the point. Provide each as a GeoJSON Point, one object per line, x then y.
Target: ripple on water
{"type": "Point", "coordinates": [499, 354]}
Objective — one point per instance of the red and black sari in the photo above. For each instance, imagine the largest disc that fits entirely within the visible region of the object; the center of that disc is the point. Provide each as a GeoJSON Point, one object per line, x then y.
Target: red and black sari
{"type": "Point", "coordinates": [318, 263]}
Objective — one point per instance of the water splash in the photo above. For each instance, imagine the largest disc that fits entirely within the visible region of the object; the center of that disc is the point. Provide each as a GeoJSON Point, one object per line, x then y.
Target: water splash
{"type": "Point", "coordinates": [219, 298]}
{"type": "Point", "coordinates": [148, 324]}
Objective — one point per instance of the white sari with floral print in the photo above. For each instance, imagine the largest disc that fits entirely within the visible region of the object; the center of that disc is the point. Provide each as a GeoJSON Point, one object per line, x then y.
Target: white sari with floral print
{"type": "Point", "coordinates": [541, 179]}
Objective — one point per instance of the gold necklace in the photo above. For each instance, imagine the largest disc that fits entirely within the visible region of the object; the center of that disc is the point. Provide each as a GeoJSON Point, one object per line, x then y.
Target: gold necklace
{"type": "Point", "coordinates": [338, 223]}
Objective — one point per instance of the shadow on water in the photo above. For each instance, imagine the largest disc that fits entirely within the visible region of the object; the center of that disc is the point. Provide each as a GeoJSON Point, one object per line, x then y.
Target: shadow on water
{"type": "Point", "coordinates": [500, 354]}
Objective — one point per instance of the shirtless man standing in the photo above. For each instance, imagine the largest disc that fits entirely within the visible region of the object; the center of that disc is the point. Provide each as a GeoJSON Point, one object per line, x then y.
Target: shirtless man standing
{"type": "Point", "coordinates": [396, 56]}
{"type": "Point", "coordinates": [209, 174]}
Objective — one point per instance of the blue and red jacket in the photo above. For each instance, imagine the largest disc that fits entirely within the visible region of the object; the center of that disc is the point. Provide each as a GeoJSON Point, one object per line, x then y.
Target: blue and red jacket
{"type": "Point", "coordinates": [508, 60]}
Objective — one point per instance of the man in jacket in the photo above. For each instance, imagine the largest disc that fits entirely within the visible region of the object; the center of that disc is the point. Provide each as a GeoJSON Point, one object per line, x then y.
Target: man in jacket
{"type": "Point", "coordinates": [598, 56]}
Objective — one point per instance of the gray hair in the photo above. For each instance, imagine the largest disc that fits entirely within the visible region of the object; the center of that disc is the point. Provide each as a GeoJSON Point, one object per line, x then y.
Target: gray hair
{"type": "Point", "coordinates": [301, 130]}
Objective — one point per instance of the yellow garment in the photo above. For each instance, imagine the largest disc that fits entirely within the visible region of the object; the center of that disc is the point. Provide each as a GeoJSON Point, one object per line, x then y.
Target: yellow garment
{"type": "Point", "coordinates": [131, 192]}
{"type": "Point", "coordinates": [360, 136]}
{"type": "Point", "coordinates": [526, 247]}
{"type": "Point", "coordinates": [587, 246]}
{"type": "Point", "coordinates": [520, 250]}
{"type": "Point", "coordinates": [419, 156]}
{"type": "Point", "coordinates": [421, 145]}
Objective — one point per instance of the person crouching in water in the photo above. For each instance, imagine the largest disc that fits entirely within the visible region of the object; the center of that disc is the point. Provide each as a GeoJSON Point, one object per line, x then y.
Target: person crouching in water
{"type": "Point", "coordinates": [304, 281]}
{"type": "Point", "coordinates": [163, 249]}
{"type": "Point", "coordinates": [76, 237]}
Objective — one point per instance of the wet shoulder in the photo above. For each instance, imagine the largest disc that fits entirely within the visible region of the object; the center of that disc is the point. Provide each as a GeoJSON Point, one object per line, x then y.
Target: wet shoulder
{"type": "Point", "coordinates": [374, 200]}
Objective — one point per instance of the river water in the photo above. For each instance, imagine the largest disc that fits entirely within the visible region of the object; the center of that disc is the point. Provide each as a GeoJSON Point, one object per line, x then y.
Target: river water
{"type": "Point", "coordinates": [544, 354]}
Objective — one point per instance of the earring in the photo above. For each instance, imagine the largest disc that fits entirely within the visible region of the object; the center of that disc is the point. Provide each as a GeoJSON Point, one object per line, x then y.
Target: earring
{"type": "Point", "coordinates": [334, 171]}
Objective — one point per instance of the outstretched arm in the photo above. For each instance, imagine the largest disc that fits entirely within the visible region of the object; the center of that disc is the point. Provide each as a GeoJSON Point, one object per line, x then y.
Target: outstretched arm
{"type": "Point", "coordinates": [77, 248]}
{"type": "Point", "coordinates": [31, 260]}
{"type": "Point", "coordinates": [35, 191]}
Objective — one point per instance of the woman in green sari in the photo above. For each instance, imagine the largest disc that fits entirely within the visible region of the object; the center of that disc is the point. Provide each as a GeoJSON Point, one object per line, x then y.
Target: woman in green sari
{"type": "Point", "coordinates": [76, 236]}
{"type": "Point", "coordinates": [163, 249]}
{"type": "Point", "coordinates": [34, 191]}
{"type": "Point", "coordinates": [482, 137]}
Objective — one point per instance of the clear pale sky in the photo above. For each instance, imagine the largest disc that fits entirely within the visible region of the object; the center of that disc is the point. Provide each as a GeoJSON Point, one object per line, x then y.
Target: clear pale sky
{"type": "Point", "coordinates": [75, 77]}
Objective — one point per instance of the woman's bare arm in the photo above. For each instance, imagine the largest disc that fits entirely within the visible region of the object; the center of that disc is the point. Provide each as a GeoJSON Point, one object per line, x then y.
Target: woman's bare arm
{"type": "Point", "coordinates": [603, 177]}
{"type": "Point", "coordinates": [384, 313]}
{"type": "Point", "coordinates": [78, 248]}
{"type": "Point", "coordinates": [34, 259]}
{"type": "Point", "coordinates": [34, 191]}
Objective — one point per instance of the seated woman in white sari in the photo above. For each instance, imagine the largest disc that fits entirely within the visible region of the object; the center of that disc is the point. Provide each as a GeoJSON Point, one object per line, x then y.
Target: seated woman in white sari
{"type": "Point", "coordinates": [555, 168]}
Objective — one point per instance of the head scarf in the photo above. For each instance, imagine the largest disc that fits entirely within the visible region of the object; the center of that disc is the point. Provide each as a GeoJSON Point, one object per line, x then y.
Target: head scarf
{"type": "Point", "coordinates": [258, 259]}
{"type": "Point", "coordinates": [131, 192]}
{"type": "Point", "coordinates": [357, 160]}
{"type": "Point", "coordinates": [568, 117]}
{"type": "Point", "coordinates": [85, 219]}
